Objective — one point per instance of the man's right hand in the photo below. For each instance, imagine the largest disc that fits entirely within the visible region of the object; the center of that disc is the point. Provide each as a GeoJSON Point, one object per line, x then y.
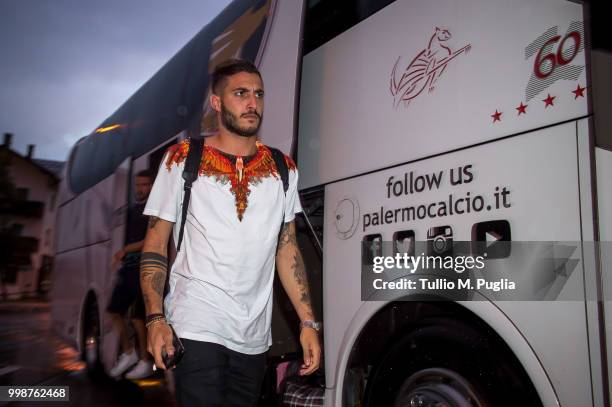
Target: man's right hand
{"type": "Point", "coordinates": [159, 336]}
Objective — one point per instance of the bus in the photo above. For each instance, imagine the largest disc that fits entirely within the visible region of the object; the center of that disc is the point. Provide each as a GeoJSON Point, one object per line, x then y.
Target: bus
{"type": "Point", "coordinates": [417, 127]}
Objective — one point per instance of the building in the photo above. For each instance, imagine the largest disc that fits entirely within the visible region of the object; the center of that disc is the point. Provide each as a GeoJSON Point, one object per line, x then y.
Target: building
{"type": "Point", "coordinates": [28, 193]}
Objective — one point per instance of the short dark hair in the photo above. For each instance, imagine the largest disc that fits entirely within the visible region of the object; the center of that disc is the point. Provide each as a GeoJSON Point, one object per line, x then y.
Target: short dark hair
{"type": "Point", "coordinates": [228, 68]}
{"type": "Point", "coordinates": [146, 173]}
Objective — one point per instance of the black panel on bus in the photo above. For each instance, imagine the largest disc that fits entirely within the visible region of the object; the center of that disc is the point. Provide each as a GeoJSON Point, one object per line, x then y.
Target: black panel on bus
{"type": "Point", "coordinates": [326, 19]}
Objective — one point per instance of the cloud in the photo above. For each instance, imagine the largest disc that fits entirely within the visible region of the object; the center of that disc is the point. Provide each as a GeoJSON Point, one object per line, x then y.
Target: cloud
{"type": "Point", "coordinates": [68, 64]}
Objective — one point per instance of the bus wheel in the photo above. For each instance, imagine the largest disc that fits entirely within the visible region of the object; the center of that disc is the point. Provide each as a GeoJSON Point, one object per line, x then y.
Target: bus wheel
{"type": "Point", "coordinates": [451, 364]}
{"type": "Point", "coordinates": [438, 387]}
{"type": "Point", "coordinates": [91, 342]}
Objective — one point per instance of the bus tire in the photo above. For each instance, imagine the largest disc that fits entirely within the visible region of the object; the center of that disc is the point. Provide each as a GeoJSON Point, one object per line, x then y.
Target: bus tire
{"type": "Point", "coordinates": [91, 341]}
{"type": "Point", "coordinates": [450, 363]}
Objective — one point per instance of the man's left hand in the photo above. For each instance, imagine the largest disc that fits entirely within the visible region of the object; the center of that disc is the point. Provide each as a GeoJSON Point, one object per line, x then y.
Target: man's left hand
{"type": "Point", "coordinates": [309, 338]}
{"type": "Point", "coordinates": [119, 255]}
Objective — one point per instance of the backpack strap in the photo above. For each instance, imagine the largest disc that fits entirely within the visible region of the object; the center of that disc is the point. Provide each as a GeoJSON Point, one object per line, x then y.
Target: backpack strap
{"type": "Point", "coordinates": [190, 174]}
{"type": "Point", "coordinates": [281, 166]}
{"type": "Point", "coordinates": [283, 171]}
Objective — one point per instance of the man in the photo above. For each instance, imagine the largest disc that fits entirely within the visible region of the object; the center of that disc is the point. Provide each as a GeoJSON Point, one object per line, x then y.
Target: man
{"type": "Point", "coordinates": [127, 289]}
{"type": "Point", "coordinates": [220, 287]}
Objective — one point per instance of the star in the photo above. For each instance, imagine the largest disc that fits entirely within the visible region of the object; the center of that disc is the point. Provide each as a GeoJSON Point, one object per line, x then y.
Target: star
{"type": "Point", "coordinates": [549, 101]}
{"type": "Point", "coordinates": [578, 92]}
{"type": "Point", "coordinates": [521, 109]}
{"type": "Point", "coordinates": [496, 116]}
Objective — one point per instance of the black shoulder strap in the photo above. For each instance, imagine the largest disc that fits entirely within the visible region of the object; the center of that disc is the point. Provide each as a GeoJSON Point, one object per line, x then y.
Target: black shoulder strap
{"type": "Point", "coordinates": [283, 171]}
{"type": "Point", "coordinates": [190, 174]}
{"type": "Point", "coordinates": [281, 167]}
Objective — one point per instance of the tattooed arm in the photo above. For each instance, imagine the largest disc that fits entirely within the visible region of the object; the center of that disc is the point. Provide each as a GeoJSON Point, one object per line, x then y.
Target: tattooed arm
{"type": "Point", "coordinates": [292, 273]}
{"type": "Point", "coordinates": [153, 270]}
{"type": "Point", "coordinates": [154, 263]}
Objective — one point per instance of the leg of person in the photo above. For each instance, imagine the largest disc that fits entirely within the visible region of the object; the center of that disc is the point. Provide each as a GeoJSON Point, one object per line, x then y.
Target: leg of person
{"type": "Point", "coordinates": [144, 367]}
{"type": "Point", "coordinates": [138, 319]}
{"type": "Point", "coordinates": [119, 325]}
{"type": "Point", "coordinates": [199, 378]}
{"type": "Point", "coordinates": [120, 301]}
{"type": "Point", "coordinates": [244, 378]}
{"type": "Point", "coordinates": [117, 306]}
{"type": "Point", "coordinates": [129, 356]}
{"type": "Point", "coordinates": [141, 334]}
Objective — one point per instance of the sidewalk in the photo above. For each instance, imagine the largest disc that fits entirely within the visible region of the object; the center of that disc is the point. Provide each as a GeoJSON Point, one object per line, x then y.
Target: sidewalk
{"type": "Point", "coordinates": [30, 305]}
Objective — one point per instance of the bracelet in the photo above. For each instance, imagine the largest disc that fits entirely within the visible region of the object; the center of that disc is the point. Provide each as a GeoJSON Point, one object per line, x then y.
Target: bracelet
{"type": "Point", "coordinates": [155, 317]}
{"type": "Point", "coordinates": [154, 321]}
{"type": "Point", "coordinates": [151, 317]}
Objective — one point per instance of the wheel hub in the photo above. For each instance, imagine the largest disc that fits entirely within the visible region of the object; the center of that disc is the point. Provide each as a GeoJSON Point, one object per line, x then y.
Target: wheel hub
{"type": "Point", "coordinates": [438, 387]}
{"type": "Point", "coordinates": [91, 350]}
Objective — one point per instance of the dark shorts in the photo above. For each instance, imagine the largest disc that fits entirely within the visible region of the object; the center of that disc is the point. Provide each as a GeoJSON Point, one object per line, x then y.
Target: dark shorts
{"type": "Point", "coordinates": [127, 289]}
{"type": "Point", "coordinates": [210, 375]}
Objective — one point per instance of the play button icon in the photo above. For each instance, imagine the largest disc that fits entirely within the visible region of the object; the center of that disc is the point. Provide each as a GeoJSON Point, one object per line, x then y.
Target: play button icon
{"type": "Point", "coordinates": [491, 238]}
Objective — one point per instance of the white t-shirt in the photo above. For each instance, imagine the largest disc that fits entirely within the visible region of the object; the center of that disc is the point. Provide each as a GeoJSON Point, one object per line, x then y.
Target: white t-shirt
{"type": "Point", "coordinates": [221, 281]}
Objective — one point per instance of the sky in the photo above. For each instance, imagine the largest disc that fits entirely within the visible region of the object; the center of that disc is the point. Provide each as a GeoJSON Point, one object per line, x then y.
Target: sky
{"type": "Point", "coordinates": [66, 65]}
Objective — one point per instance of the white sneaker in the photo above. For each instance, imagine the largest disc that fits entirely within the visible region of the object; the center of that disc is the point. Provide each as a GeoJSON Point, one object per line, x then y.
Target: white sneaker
{"type": "Point", "coordinates": [125, 361]}
{"type": "Point", "coordinates": [143, 369]}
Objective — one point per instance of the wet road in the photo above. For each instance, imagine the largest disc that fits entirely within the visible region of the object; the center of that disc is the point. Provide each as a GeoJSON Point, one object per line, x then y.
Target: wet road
{"type": "Point", "coordinates": [31, 355]}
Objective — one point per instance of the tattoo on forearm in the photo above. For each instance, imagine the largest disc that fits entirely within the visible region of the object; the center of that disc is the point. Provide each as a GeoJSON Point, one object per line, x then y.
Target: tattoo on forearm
{"type": "Point", "coordinates": [152, 256]}
{"type": "Point", "coordinates": [299, 270]}
{"type": "Point", "coordinates": [305, 298]}
{"type": "Point", "coordinates": [288, 239]}
{"type": "Point", "coordinates": [153, 270]}
{"type": "Point", "coordinates": [152, 221]}
{"type": "Point", "coordinates": [145, 264]}
{"type": "Point", "coordinates": [299, 274]}
{"type": "Point", "coordinates": [287, 236]}
{"type": "Point", "coordinates": [159, 280]}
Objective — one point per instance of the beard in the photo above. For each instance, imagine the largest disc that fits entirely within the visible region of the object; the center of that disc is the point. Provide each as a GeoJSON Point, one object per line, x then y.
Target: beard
{"type": "Point", "coordinates": [230, 122]}
{"type": "Point", "coordinates": [142, 197]}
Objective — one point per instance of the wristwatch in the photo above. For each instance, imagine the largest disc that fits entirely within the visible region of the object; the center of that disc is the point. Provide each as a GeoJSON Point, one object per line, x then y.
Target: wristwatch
{"type": "Point", "coordinates": [316, 325]}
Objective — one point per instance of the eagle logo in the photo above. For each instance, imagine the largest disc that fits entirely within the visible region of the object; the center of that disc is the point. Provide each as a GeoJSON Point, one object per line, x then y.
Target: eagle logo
{"type": "Point", "coordinates": [425, 70]}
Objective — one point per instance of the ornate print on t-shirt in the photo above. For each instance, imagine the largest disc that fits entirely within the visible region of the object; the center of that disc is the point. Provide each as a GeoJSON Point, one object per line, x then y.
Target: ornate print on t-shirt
{"type": "Point", "coordinates": [233, 169]}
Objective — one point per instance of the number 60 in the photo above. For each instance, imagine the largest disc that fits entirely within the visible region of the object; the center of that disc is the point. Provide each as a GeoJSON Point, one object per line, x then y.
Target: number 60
{"type": "Point", "coordinates": [557, 58]}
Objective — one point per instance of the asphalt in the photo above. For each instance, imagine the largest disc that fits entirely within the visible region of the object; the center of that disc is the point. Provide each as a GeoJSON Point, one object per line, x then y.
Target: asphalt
{"type": "Point", "coordinates": [17, 306]}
